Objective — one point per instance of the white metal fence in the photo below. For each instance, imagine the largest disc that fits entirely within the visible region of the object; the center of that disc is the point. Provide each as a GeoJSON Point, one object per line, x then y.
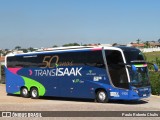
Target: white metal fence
{"type": "Point", "coordinates": [150, 49]}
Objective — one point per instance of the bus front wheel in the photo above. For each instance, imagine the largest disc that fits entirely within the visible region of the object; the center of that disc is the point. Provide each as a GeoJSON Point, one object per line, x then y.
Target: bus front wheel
{"type": "Point", "coordinates": [34, 93]}
{"type": "Point", "coordinates": [25, 92]}
{"type": "Point", "coordinates": [102, 97]}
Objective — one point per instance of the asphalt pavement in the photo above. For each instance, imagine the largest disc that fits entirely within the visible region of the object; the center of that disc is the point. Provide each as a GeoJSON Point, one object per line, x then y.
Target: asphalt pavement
{"type": "Point", "coordinates": [17, 103]}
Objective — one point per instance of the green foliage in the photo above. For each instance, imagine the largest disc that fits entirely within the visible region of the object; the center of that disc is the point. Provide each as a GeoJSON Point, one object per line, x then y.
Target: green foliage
{"type": "Point", "coordinates": [54, 46]}
{"type": "Point", "coordinates": [2, 74]}
{"type": "Point", "coordinates": [155, 82]}
{"type": "Point", "coordinates": [153, 57]}
{"type": "Point", "coordinates": [147, 45]}
{"type": "Point", "coordinates": [85, 45]}
{"type": "Point", "coordinates": [31, 49]}
{"type": "Point", "coordinates": [18, 47]}
{"type": "Point", "coordinates": [71, 44]}
{"type": "Point", "coordinates": [138, 41]}
{"type": "Point", "coordinates": [25, 50]}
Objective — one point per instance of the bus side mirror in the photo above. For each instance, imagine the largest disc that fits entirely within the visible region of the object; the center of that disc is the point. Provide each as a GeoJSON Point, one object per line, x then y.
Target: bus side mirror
{"type": "Point", "coordinates": [134, 69]}
{"type": "Point", "coordinates": [155, 67]}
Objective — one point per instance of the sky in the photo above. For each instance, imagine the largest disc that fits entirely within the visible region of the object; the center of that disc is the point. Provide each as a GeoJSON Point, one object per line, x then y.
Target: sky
{"type": "Point", "coordinates": [45, 23]}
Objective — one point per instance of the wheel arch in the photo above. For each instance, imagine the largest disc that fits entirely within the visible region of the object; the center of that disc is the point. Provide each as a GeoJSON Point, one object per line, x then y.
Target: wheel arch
{"type": "Point", "coordinates": [24, 87]}
{"type": "Point", "coordinates": [98, 89]}
{"type": "Point", "coordinates": [40, 91]}
{"type": "Point", "coordinates": [34, 87]}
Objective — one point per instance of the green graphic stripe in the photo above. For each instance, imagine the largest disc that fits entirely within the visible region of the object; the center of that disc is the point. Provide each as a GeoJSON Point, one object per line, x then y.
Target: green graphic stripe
{"type": "Point", "coordinates": [30, 83]}
{"type": "Point", "coordinates": [17, 93]}
{"type": "Point", "coordinates": [141, 65]}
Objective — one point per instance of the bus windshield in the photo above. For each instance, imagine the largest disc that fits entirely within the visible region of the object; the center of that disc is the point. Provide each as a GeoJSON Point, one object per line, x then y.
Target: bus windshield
{"type": "Point", "coordinates": [139, 78]}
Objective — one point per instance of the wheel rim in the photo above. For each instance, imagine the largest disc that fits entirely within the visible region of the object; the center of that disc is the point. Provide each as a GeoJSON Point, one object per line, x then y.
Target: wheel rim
{"type": "Point", "coordinates": [34, 93]}
{"type": "Point", "coordinates": [25, 91]}
{"type": "Point", "coordinates": [102, 96]}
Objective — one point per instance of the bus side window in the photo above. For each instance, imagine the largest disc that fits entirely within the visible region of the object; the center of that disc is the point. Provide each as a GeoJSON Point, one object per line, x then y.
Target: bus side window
{"type": "Point", "coordinates": [95, 59]}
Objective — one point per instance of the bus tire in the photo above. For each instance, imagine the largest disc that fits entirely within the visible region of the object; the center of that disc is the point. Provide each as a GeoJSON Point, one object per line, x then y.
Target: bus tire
{"type": "Point", "coordinates": [34, 93]}
{"type": "Point", "coordinates": [24, 92]}
{"type": "Point", "coordinates": [102, 97]}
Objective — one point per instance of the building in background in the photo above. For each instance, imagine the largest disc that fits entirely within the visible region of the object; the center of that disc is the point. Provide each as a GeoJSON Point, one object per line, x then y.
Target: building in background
{"type": "Point", "coordinates": [154, 44]}
{"type": "Point", "coordinates": [137, 45]}
{"type": "Point", "coordinates": [2, 60]}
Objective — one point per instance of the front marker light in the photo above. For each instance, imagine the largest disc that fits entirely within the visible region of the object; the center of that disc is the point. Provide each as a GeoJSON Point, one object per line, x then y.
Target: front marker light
{"type": "Point", "coordinates": [135, 91]}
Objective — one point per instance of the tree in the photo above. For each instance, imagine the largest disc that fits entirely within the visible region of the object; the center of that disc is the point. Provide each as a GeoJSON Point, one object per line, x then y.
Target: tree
{"type": "Point", "coordinates": [159, 40]}
{"type": "Point", "coordinates": [31, 49]}
{"type": "Point", "coordinates": [25, 50]}
{"type": "Point", "coordinates": [71, 44]}
{"type": "Point", "coordinates": [1, 52]}
{"type": "Point", "coordinates": [114, 44]}
{"type": "Point", "coordinates": [6, 52]}
{"type": "Point", "coordinates": [147, 44]}
{"type": "Point", "coordinates": [18, 47]}
{"type": "Point", "coordinates": [138, 41]}
{"type": "Point", "coordinates": [54, 46]}
{"type": "Point", "coordinates": [84, 45]}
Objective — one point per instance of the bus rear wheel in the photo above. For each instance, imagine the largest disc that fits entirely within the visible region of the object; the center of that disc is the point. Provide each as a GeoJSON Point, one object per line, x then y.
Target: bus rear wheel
{"type": "Point", "coordinates": [25, 92]}
{"type": "Point", "coordinates": [34, 93]}
{"type": "Point", "coordinates": [102, 97]}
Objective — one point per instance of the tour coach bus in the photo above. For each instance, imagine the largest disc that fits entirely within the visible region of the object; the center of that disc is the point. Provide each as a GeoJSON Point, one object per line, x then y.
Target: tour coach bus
{"type": "Point", "coordinates": [100, 73]}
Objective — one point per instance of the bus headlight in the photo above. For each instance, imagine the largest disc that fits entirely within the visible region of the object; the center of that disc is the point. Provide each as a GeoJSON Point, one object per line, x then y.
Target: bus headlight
{"type": "Point", "coordinates": [135, 91]}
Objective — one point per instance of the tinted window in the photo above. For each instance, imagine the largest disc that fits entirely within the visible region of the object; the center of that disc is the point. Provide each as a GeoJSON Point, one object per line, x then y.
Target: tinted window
{"type": "Point", "coordinates": [82, 58]}
{"type": "Point", "coordinates": [113, 57]}
{"type": "Point", "coordinates": [25, 61]}
{"type": "Point", "coordinates": [132, 55]}
{"type": "Point", "coordinates": [90, 58]}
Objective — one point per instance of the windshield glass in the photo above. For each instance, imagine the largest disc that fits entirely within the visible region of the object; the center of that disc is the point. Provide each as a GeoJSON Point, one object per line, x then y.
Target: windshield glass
{"type": "Point", "coordinates": [139, 78]}
{"type": "Point", "coordinates": [133, 56]}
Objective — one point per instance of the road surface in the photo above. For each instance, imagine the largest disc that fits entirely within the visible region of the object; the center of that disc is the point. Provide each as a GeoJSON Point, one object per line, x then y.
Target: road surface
{"type": "Point", "coordinates": [17, 103]}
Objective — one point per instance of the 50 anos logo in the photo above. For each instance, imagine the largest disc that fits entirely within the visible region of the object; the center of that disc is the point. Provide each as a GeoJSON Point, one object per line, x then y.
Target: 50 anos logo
{"type": "Point", "coordinates": [53, 63]}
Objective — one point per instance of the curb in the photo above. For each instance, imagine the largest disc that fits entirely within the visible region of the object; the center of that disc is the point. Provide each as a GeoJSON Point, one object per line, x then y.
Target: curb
{"type": "Point", "coordinates": [2, 84]}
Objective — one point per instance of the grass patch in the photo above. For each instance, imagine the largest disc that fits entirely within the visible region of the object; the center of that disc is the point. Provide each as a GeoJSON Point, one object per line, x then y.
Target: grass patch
{"type": "Point", "coordinates": [155, 82]}
{"type": "Point", "coordinates": [151, 56]}
{"type": "Point", "coordinates": [154, 57]}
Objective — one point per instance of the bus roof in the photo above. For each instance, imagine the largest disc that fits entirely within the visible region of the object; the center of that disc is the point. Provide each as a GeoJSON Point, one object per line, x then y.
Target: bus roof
{"type": "Point", "coordinates": [67, 49]}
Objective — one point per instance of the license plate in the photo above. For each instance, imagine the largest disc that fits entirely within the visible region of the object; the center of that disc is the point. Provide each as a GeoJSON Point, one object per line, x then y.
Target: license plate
{"type": "Point", "coordinates": [144, 95]}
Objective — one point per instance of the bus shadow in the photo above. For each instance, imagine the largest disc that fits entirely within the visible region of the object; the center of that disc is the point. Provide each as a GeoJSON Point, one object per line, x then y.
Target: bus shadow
{"type": "Point", "coordinates": [57, 98]}
{"type": "Point", "coordinates": [14, 95]}
{"type": "Point", "coordinates": [136, 102]}
{"type": "Point", "coordinates": [67, 99]}
{"type": "Point", "coordinates": [92, 100]}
